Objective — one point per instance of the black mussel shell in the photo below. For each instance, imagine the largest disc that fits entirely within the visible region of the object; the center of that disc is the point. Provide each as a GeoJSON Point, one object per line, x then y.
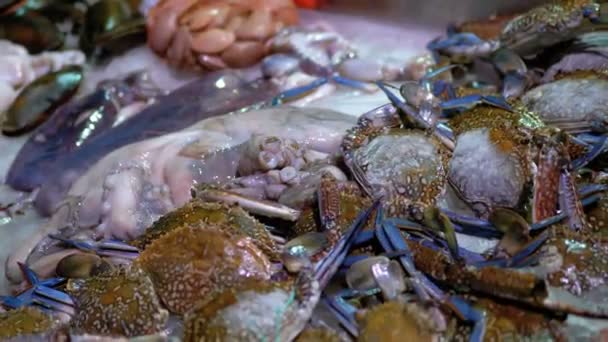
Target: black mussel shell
{"type": "Point", "coordinates": [32, 30]}
{"type": "Point", "coordinates": [39, 99]}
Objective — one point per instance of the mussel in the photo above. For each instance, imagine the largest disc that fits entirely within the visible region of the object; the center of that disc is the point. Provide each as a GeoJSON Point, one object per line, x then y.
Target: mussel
{"type": "Point", "coordinates": [32, 30]}
{"type": "Point", "coordinates": [111, 26]}
{"type": "Point", "coordinates": [40, 98]}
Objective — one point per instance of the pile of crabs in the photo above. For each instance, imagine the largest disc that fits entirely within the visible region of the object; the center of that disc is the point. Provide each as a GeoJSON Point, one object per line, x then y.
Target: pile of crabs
{"type": "Point", "coordinates": [472, 206]}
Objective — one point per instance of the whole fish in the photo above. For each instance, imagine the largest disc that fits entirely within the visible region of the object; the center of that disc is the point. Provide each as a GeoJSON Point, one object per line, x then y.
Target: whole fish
{"type": "Point", "coordinates": [215, 94]}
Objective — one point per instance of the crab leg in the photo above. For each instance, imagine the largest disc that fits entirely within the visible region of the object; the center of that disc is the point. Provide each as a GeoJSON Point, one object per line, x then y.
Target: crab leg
{"type": "Point", "coordinates": [109, 248]}
{"type": "Point", "coordinates": [344, 312]}
{"type": "Point", "coordinates": [426, 118]}
{"type": "Point", "coordinates": [459, 306]}
{"type": "Point", "coordinates": [261, 207]}
{"type": "Point", "coordinates": [569, 202]}
{"type": "Point", "coordinates": [297, 92]}
{"type": "Point", "coordinates": [462, 44]}
{"type": "Point", "coordinates": [470, 101]}
{"type": "Point", "coordinates": [546, 182]}
{"type": "Point", "coordinates": [598, 148]}
{"type": "Point", "coordinates": [328, 265]}
{"type": "Point", "coordinates": [41, 293]}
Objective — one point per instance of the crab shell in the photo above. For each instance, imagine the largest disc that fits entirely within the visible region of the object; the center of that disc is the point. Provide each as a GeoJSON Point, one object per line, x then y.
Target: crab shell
{"type": "Point", "coordinates": [489, 166]}
{"type": "Point", "coordinates": [199, 213]}
{"type": "Point", "coordinates": [27, 322]}
{"type": "Point", "coordinates": [576, 97]}
{"type": "Point", "coordinates": [541, 27]}
{"type": "Point", "coordinates": [192, 261]}
{"type": "Point", "coordinates": [408, 167]}
{"type": "Point", "coordinates": [219, 34]}
{"type": "Point", "coordinates": [119, 303]}
{"type": "Point", "coordinates": [397, 321]}
{"type": "Point", "coordinates": [255, 311]}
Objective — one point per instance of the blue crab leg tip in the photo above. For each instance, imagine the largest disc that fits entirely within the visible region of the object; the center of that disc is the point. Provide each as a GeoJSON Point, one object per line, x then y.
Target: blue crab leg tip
{"type": "Point", "coordinates": [52, 295]}
{"type": "Point", "coordinates": [368, 87]}
{"type": "Point", "coordinates": [396, 101]}
{"type": "Point", "coordinates": [591, 189]}
{"type": "Point", "coordinates": [363, 237]}
{"type": "Point", "coordinates": [432, 74]}
{"type": "Point", "coordinates": [30, 276]}
{"type": "Point", "coordinates": [343, 314]}
{"type": "Point", "coordinates": [298, 91]}
{"type": "Point", "coordinates": [497, 101]}
{"type": "Point", "coordinates": [11, 302]}
{"type": "Point", "coordinates": [519, 258]}
{"type": "Point", "coordinates": [464, 102]}
{"type": "Point", "coordinates": [597, 149]}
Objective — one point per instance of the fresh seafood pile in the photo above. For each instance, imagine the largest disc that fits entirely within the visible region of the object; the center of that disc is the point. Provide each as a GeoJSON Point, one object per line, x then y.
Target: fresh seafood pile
{"type": "Point", "coordinates": [472, 205]}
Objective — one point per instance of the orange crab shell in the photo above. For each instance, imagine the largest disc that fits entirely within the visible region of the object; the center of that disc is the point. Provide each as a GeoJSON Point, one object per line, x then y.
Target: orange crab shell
{"type": "Point", "coordinates": [216, 34]}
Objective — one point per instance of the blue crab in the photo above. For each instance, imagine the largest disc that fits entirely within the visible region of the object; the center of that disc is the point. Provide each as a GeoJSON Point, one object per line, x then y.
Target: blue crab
{"type": "Point", "coordinates": [118, 303]}
{"type": "Point", "coordinates": [317, 53]}
{"type": "Point", "coordinates": [574, 101]}
{"type": "Point", "coordinates": [524, 36]}
{"type": "Point", "coordinates": [254, 310]}
{"type": "Point", "coordinates": [405, 166]}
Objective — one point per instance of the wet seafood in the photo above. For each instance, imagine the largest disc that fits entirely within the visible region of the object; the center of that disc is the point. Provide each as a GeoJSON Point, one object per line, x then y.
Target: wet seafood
{"type": "Point", "coordinates": [111, 26]}
{"type": "Point", "coordinates": [19, 68]}
{"type": "Point", "coordinates": [574, 102]}
{"type": "Point", "coordinates": [119, 303]}
{"type": "Point", "coordinates": [193, 260]}
{"type": "Point", "coordinates": [407, 184]}
{"type": "Point", "coordinates": [212, 36]}
{"type": "Point", "coordinates": [242, 311]}
{"type": "Point", "coordinates": [27, 322]}
{"type": "Point", "coordinates": [38, 100]}
{"type": "Point", "coordinates": [526, 35]}
{"type": "Point", "coordinates": [76, 123]}
{"type": "Point", "coordinates": [126, 198]}
{"type": "Point", "coordinates": [33, 31]}
{"type": "Point", "coordinates": [224, 92]}
{"type": "Point", "coordinates": [488, 217]}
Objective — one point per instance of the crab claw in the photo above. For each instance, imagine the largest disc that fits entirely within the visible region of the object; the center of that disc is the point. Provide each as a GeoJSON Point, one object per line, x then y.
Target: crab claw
{"type": "Point", "coordinates": [41, 294]}
{"type": "Point", "coordinates": [412, 115]}
{"type": "Point", "coordinates": [104, 248]}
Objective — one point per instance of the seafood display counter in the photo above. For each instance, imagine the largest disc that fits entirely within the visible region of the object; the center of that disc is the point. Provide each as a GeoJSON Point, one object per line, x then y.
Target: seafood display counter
{"type": "Point", "coordinates": [286, 170]}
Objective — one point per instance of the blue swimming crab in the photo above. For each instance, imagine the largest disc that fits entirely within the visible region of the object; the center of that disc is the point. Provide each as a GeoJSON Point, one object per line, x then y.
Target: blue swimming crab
{"type": "Point", "coordinates": [256, 310]}
{"type": "Point", "coordinates": [574, 102]}
{"type": "Point", "coordinates": [206, 251]}
{"type": "Point", "coordinates": [118, 303]}
{"type": "Point", "coordinates": [408, 167]}
{"type": "Point", "coordinates": [525, 36]}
